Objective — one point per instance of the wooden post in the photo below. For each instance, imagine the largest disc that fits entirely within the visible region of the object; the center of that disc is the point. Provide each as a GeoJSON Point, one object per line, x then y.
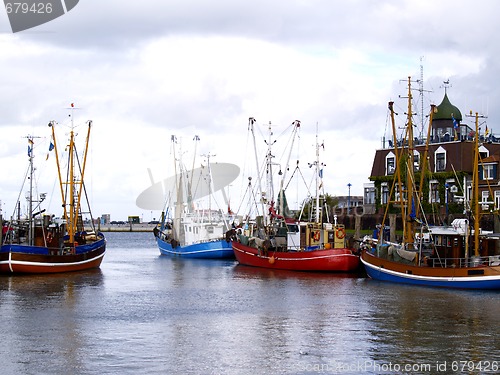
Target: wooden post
{"type": "Point", "coordinates": [357, 227]}
{"type": "Point", "coordinates": [392, 227]}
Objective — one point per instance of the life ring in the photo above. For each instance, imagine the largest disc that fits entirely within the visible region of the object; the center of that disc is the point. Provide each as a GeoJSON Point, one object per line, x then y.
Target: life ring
{"type": "Point", "coordinates": [316, 235]}
{"type": "Point", "coordinates": [49, 237]}
{"type": "Point", "coordinates": [340, 233]}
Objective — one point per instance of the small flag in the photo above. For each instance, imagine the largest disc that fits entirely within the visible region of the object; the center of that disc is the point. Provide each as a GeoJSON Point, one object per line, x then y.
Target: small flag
{"type": "Point", "coordinates": [30, 146]}
{"type": "Point", "coordinates": [486, 132]}
{"type": "Point", "coordinates": [321, 173]}
{"type": "Point", "coordinates": [51, 147]}
{"type": "Point", "coordinates": [455, 122]}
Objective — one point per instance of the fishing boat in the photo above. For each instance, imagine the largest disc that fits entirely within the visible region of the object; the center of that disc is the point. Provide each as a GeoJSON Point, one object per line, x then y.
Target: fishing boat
{"type": "Point", "coordinates": [273, 240]}
{"type": "Point", "coordinates": [42, 243]}
{"type": "Point", "coordinates": [186, 230]}
{"type": "Point", "coordinates": [460, 255]}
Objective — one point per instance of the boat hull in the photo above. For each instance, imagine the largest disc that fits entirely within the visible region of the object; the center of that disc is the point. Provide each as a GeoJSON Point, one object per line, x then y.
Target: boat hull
{"type": "Point", "coordinates": [487, 277]}
{"type": "Point", "coordinates": [327, 260]}
{"type": "Point", "coordinates": [217, 249]}
{"type": "Point", "coordinates": [18, 259]}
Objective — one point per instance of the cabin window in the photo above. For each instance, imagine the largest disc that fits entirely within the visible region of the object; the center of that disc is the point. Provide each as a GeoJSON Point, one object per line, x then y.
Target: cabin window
{"type": "Point", "coordinates": [439, 240]}
{"type": "Point", "coordinates": [434, 192]}
{"type": "Point", "coordinates": [440, 161]}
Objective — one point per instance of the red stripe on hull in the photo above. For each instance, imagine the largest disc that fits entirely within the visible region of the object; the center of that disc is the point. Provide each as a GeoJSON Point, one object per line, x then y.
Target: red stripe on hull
{"type": "Point", "coordinates": [331, 260]}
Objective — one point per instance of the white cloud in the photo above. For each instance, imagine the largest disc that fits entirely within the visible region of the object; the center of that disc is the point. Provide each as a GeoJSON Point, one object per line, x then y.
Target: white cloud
{"type": "Point", "coordinates": [143, 73]}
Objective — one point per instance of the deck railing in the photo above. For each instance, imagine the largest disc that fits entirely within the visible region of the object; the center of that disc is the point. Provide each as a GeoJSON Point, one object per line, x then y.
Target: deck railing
{"type": "Point", "coordinates": [493, 260]}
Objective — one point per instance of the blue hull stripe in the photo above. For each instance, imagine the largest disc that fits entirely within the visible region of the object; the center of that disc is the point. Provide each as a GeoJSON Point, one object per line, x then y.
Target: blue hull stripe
{"type": "Point", "coordinates": [219, 249]}
{"type": "Point", "coordinates": [473, 282]}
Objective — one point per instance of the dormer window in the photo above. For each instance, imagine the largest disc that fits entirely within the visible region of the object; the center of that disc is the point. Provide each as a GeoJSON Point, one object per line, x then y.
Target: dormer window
{"type": "Point", "coordinates": [483, 152]}
{"type": "Point", "coordinates": [390, 164]}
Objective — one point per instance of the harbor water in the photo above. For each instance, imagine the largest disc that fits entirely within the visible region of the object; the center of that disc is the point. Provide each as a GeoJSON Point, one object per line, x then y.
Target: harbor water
{"type": "Point", "coordinates": [142, 313]}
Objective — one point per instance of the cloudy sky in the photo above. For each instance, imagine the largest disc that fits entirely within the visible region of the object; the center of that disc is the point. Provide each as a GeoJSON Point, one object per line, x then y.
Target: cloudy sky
{"type": "Point", "coordinates": [143, 71]}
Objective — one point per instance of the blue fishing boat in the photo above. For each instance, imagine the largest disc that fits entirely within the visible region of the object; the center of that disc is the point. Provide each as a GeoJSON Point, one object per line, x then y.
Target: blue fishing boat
{"type": "Point", "coordinates": [187, 229]}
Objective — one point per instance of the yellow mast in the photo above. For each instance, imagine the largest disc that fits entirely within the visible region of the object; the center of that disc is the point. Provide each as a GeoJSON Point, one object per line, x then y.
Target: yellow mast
{"type": "Point", "coordinates": [424, 162]}
{"type": "Point", "coordinates": [408, 223]}
{"type": "Point", "coordinates": [71, 223]}
{"type": "Point", "coordinates": [396, 156]}
{"type": "Point", "coordinates": [71, 199]}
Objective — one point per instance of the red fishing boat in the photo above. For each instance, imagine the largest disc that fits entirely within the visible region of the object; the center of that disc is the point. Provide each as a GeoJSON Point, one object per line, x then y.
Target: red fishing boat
{"type": "Point", "coordinates": [273, 241]}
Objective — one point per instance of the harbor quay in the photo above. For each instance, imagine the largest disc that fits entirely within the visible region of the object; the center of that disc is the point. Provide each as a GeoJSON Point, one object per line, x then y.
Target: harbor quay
{"type": "Point", "coordinates": [127, 227]}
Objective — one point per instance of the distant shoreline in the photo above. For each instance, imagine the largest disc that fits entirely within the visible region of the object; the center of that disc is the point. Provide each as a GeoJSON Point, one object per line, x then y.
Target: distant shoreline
{"type": "Point", "coordinates": [143, 227]}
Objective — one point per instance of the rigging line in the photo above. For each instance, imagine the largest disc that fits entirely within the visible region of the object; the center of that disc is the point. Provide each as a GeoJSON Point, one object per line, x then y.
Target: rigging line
{"type": "Point", "coordinates": [20, 192]}
{"type": "Point", "coordinates": [86, 197]}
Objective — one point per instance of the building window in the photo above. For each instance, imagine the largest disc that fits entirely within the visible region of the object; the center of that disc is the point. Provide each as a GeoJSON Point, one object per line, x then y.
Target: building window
{"type": "Point", "coordinates": [440, 161]}
{"type": "Point", "coordinates": [497, 199]}
{"type": "Point", "coordinates": [451, 190]}
{"type": "Point", "coordinates": [416, 161]}
{"type": "Point", "coordinates": [390, 165]}
{"type": "Point", "coordinates": [489, 172]}
{"type": "Point", "coordinates": [484, 196]}
{"type": "Point", "coordinates": [484, 200]}
{"type": "Point", "coordinates": [384, 194]}
{"type": "Point", "coordinates": [369, 196]}
{"type": "Point", "coordinates": [483, 152]}
{"type": "Point", "coordinates": [434, 192]}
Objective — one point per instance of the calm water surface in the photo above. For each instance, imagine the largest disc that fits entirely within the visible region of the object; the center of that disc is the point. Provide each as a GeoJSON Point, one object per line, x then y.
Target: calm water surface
{"type": "Point", "coordinates": [143, 313]}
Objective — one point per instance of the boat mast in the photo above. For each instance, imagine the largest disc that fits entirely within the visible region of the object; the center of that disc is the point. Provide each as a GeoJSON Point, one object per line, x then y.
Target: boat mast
{"type": "Point", "coordinates": [251, 123]}
{"type": "Point", "coordinates": [179, 191]}
{"type": "Point", "coordinates": [424, 162]}
{"type": "Point", "coordinates": [296, 126]}
{"type": "Point", "coordinates": [408, 219]}
{"type": "Point", "coordinates": [210, 186]}
{"type": "Point", "coordinates": [74, 181]}
{"type": "Point", "coordinates": [31, 228]}
{"type": "Point", "coordinates": [475, 186]}
{"type": "Point", "coordinates": [269, 168]}
{"type": "Point", "coordinates": [72, 209]}
{"type": "Point", "coordinates": [317, 218]}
